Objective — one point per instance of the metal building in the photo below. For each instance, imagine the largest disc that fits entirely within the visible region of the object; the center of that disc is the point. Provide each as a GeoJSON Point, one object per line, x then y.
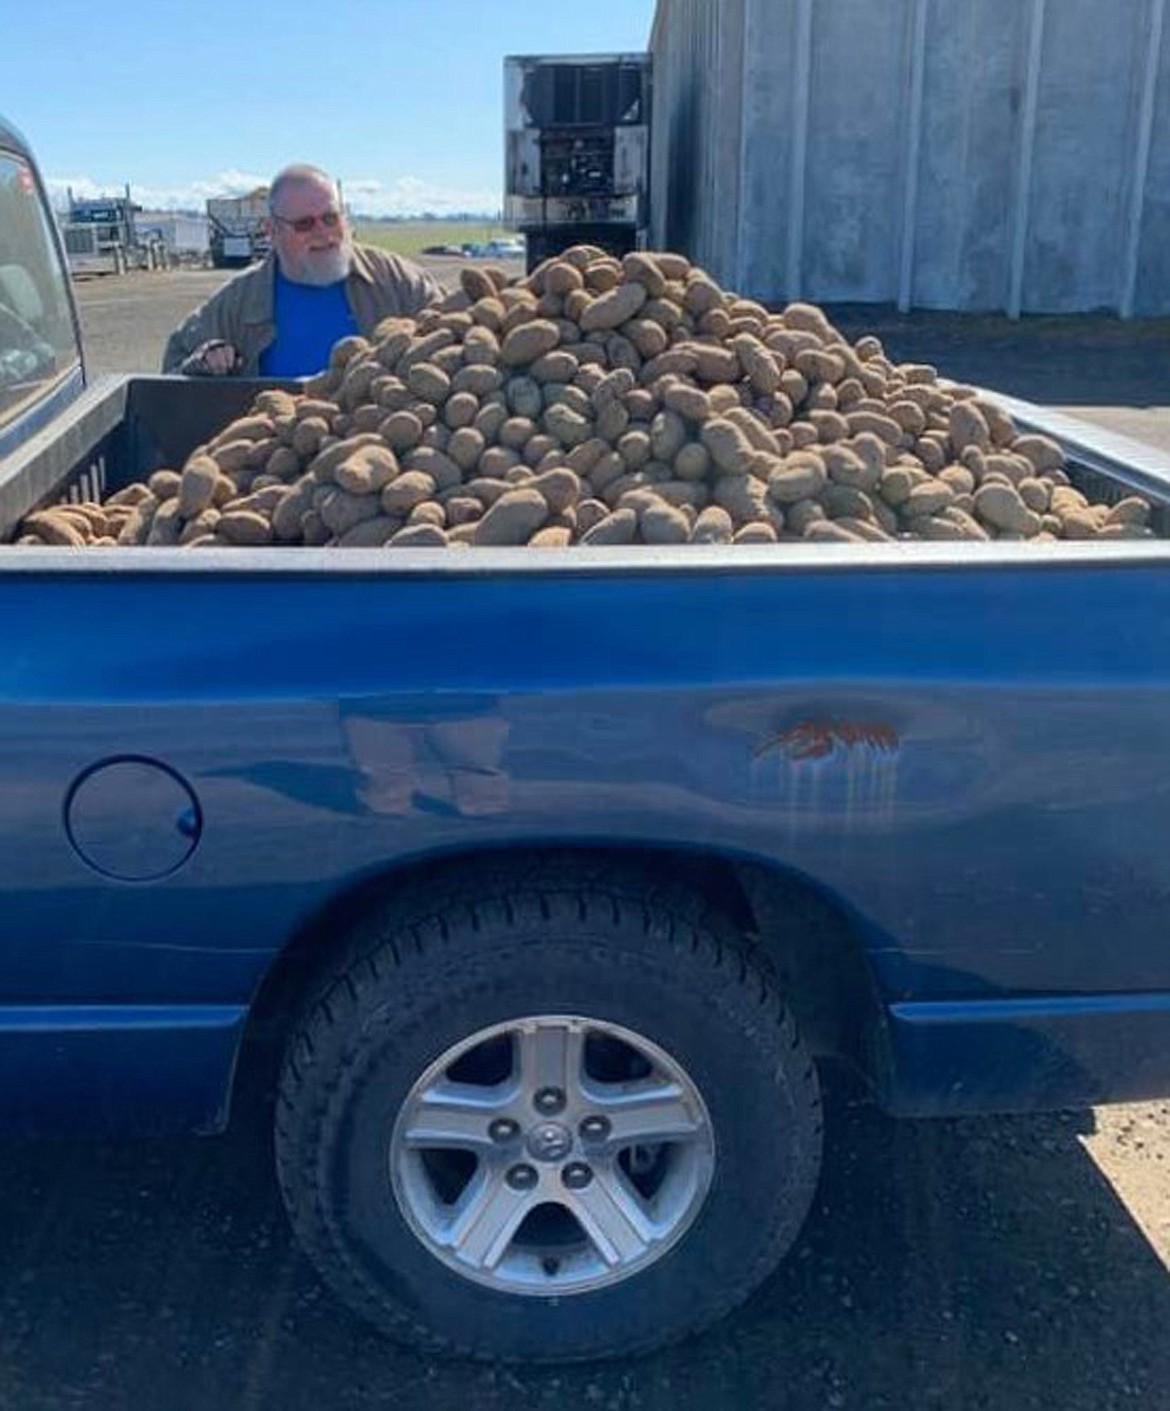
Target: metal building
{"type": "Point", "coordinates": [949, 154]}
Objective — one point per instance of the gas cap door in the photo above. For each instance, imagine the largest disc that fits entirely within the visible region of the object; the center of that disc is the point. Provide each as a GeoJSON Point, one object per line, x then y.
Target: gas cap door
{"type": "Point", "coordinates": [132, 818]}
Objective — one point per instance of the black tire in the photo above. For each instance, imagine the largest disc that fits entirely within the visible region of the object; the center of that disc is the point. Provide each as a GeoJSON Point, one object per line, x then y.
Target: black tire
{"type": "Point", "coordinates": [428, 971]}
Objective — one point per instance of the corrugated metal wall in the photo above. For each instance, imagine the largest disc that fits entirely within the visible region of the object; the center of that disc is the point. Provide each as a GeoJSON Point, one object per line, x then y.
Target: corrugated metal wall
{"type": "Point", "coordinates": [963, 154]}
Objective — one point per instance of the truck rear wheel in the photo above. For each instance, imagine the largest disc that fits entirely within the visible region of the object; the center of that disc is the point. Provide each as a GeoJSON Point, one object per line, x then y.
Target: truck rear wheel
{"type": "Point", "coordinates": [542, 1121]}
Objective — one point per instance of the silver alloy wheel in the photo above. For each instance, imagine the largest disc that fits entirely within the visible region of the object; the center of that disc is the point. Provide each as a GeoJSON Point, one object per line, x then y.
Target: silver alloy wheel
{"type": "Point", "coordinates": [552, 1155]}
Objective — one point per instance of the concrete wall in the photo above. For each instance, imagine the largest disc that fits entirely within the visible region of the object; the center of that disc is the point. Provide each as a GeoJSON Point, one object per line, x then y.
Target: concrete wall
{"type": "Point", "coordinates": [965, 154]}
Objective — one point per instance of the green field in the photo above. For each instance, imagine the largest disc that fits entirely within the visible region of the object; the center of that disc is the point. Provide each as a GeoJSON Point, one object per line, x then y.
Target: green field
{"type": "Point", "coordinates": [408, 237]}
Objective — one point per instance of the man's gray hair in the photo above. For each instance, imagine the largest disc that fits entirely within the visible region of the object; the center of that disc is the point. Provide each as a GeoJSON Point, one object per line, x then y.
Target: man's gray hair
{"type": "Point", "coordinates": [293, 176]}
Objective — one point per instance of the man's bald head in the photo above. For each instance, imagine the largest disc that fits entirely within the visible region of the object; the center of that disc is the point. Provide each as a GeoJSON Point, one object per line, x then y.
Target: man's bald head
{"type": "Point", "coordinates": [300, 174]}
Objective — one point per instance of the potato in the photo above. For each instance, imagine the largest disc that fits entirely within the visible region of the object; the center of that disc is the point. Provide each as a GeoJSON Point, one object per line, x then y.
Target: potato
{"type": "Point", "coordinates": [757, 532]}
{"type": "Point", "coordinates": [702, 293]}
{"type": "Point", "coordinates": [1002, 507]}
{"type": "Point", "coordinates": [1041, 453]}
{"type": "Point", "coordinates": [465, 448]}
{"type": "Point", "coordinates": [668, 435]}
{"type": "Point", "coordinates": [339, 510]}
{"type": "Point", "coordinates": [635, 449]}
{"type": "Point", "coordinates": [742, 497]}
{"type": "Point", "coordinates": [411, 488]}
{"type": "Point", "coordinates": [616, 528]}
{"type": "Point", "coordinates": [928, 497]}
{"type": "Point", "coordinates": [968, 427]}
{"type": "Point", "coordinates": [827, 531]}
{"type": "Point", "coordinates": [613, 387]}
{"type": "Point", "coordinates": [435, 463]}
{"type": "Point", "coordinates": [366, 470]}
{"type": "Point", "coordinates": [461, 409]}
{"type": "Point", "coordinates": [370, 533]}
{"type": "Point", "coordinates": [845, 466]}
{"type": "Point", "coordinates": [561, 488]}
{"type": "Point", "coordinates": [713, 363]}
{"type": "Point", "coordinates": [759, 436]}
{"type": "Point", "coordinates": [831, 426]}
{"type": "Point", "coordinates": [648, 336]}
{"type": "Point", "coordinates": [611, 422]}
{"type": "Point", "coordinates": [557, 366]}
{"type": "Point", "coordinates": [164, 484]}
{"type": "Point", "coordinates": [713, 526]}
{"type": "Point", "coordinates": [244, 527]}
{"type": "Point", "coordinates": [53, 528]}
{"type": "Point", "coordinates": [643, 268]}
{"type": "Point", "coordinates": [529, 341]}
{"type": "Point", "coordinates": [938, 527]}
{"type": "Point", "coordinates": [523, 397]}
{"type": "Point", "coordinates": [512, 519]}
{"type": "Point", "coordinates": [418, 536]}
{"type": "Point", "coordinates": [602, 275]}
{"type": "Point", "coordinates": [727, 445]}
{"type": "Point", "coordinates": [613, 308]}
{"type": "Point", "coordinates": [568, 426]}
{"type": "Point", "coordinates": [817, 365]}
{"type": "Point", "coordinates": [1037, 495]}
{"type": "Point", "coordinates": [847, 502]}
{"type": "Point", "coordinates": [959, 478]}
{"type": "Point", "coordinates": [909, 416]}
{"type": "Point", "coordinates": [196, 487]}
{"type": "Point", "coordinates": [562, 277]}
{"type": "Point", "coordinates": [800, 476]}
{"type": "Point", "coordinates": [1132, 510]}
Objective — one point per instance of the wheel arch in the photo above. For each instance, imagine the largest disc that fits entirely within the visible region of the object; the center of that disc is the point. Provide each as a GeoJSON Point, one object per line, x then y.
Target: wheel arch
{"type": "Point", "coordinates": [808, 936]}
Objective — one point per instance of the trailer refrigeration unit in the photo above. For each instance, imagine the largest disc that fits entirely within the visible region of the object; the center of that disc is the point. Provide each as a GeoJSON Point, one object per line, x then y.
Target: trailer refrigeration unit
{"type": "Point", "coordinates": [238, 228]}
{"type": "Point", "coordinates": [577, 141]}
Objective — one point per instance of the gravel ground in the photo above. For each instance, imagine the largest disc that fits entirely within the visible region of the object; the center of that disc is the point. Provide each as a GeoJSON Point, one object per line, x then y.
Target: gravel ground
{"type": "Point", "coordinates": [998, 1263]}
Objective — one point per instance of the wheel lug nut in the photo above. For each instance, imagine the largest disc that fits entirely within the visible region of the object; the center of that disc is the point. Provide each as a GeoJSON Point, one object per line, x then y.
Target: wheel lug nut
{"type": "Point", "coordinates": [549, 1101]}
{"type": "Point", "coordinates": [594, 1129]}
{"type": "Point", "coordinates": [576, 1175]}
{"type": "Point", "coordinates": [522, 1177]}
{"type": "Point", "coordinates": [503, 1129]}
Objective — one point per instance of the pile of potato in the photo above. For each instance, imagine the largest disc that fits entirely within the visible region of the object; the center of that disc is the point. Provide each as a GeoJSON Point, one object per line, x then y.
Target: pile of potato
{"type": "Point", "coordinates": [601, 401]}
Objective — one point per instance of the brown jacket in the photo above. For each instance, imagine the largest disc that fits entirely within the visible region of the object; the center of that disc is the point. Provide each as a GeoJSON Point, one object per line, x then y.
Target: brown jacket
{"type": "Point", "coordinates": [378, 285]}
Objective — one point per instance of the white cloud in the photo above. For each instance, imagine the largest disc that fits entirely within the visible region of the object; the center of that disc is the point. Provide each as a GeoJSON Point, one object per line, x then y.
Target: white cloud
{"type": "Point", "coordinates": [404, 196]}
{"type": "Point", "coordinates": [408, 196]}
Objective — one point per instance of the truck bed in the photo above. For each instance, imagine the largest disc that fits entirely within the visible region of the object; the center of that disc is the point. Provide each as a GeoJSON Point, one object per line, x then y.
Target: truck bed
{"type": "Point", "coordinates": [123, 429]}
{"type": "Point", "coordinates": [960, 750]}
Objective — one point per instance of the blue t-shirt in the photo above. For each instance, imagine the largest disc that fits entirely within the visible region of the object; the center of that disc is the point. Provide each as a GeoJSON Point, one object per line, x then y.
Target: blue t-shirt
{"type": "Point", "coordinates": [309, 320]}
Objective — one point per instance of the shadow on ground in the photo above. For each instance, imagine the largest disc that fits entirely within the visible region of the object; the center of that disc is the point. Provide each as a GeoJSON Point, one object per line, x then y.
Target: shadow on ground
{"type": "Point", "coordinates": [1076, 360]}
{"type": "Point", "coordinates": [948, 1264]}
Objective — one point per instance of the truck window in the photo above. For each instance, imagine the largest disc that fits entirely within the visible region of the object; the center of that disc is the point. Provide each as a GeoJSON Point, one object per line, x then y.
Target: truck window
{"type": "Point", "coordinates": [38, 344]}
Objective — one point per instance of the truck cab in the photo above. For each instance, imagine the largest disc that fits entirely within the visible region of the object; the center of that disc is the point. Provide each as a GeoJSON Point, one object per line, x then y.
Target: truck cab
{"type": "Point", "coordinates": [41, 365]}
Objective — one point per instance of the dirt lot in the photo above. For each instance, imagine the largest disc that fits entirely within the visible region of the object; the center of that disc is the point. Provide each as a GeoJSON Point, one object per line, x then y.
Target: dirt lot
{"type": "Point", "coordinates": [127, 319]}
{"type": "Point", "coordinates": [999, 1263]}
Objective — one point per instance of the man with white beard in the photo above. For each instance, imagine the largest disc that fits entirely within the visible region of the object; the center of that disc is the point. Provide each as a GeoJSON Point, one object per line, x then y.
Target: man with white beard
{"type": "Point", "coordinates": [282, 317]}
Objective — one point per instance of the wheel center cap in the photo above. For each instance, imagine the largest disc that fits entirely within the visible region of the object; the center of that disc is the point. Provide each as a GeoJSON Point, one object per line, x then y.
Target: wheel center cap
{"type": "Point", "coordinates": [549, 1141]}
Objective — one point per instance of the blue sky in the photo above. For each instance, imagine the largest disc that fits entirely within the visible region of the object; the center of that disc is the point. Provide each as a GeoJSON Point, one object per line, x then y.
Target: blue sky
{"type": "Point", "coordinates": [401, 98]}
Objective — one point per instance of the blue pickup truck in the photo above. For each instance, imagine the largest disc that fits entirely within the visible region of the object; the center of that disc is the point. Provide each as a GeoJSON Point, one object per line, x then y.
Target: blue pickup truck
{"type": "Point", "coordinates": [535, 888]}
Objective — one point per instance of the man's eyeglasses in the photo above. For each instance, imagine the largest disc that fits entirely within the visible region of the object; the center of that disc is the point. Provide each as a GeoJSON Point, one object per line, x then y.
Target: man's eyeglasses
{"type": "Point", "coordinates": [330, 220]}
